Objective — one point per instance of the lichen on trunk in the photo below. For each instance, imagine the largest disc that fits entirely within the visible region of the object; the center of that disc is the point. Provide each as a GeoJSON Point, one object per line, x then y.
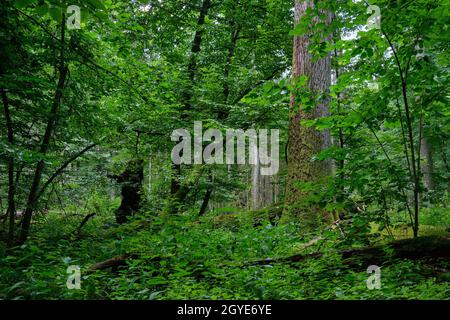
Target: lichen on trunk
{"type": "Point", "coordinates": [306, 142]}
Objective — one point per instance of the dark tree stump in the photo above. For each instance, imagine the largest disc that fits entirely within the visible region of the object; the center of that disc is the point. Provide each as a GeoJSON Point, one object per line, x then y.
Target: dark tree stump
{"type": "Point", "coordinates": [131, 183]}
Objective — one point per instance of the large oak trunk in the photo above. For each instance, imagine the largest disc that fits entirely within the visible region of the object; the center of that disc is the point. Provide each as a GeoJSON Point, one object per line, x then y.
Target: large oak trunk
{"type": "Point", "coordinates": [306, 142]}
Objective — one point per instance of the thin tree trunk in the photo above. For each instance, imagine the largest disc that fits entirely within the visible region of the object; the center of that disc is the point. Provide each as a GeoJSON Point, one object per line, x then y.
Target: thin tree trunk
{"type": "Point", "coordinates": [340, 164]}
{"type": "Point", "coordinates": [427, 170]}
{"type": "Point", "coordinates": [255, 179]}
{"type": "Point", "coordinates": [207, 196]}
{"type": "Point", "coordinates": [54, 112]}
{"type": "Point", "coordinates": [197, 42]}
{"type": "Point", "coordinates": [415, 174]}
{"type": "Point", "coordinates": [11, 211]}
{"type": "Point", "coordinates": [192, 69]}
{"type": "Point", "coordinates": [235, 30]}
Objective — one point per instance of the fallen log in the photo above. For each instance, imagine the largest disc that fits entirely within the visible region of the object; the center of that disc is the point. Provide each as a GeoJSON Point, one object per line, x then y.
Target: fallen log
{"type": "Point", "coordinates": [116, 262]}
{"type": "Point", "coordinates": [413, 249]}
{"type": "Point", "coordinates": [113, 263]}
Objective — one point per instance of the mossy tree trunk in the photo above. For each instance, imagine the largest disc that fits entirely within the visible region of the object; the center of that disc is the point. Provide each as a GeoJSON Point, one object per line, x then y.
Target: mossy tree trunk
{"type": "Point", "coordinates": [306, 142]}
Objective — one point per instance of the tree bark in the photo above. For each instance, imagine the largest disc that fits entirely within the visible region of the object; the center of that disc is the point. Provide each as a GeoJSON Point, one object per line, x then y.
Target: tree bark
{"type": "Point", "coordinates": [207, 196]}
{"type": "Point", "coordinates": [54, 112]}
{"type": "Point", "coordinates": [306, 142]}
{"type": "Point", "coordinates": [235, 30]}
{"type": "Point", "coordinates": [11, 210]}
{"type": "Point", "coordinates": [131, 189]}
{"type": "Point", "coordinates": [192, 69]}
{"type": "Point", "coordinates": [255, 172]}
{"type": "Point", "coordinates": [415, 173]}
{"type": "Point", "coordinates": [427, 169]}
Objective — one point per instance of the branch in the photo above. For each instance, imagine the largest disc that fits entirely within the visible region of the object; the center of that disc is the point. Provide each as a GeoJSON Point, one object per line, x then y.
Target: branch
{"type": "Point", "coordinates": [247, 90]}
{"type": "Point", "coordinates": [63, 166]}
{"type": "Point", "coordinates": [85, 220]}
{"type": "Point", "coordinates": [83, 55]}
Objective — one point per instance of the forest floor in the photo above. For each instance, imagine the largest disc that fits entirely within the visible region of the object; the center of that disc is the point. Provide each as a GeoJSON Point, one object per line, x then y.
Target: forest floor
{"type": "Point", "coordinates": [185, 257]}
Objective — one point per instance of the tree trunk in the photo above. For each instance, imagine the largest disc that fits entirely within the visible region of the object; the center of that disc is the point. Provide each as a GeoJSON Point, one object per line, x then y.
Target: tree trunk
{"type": "Point", "coordinates": [11, 211]}
{"type": "Point", "coordinates": [32, 196]}
{"type": "Point", "coordinates": [305, 142]}
{"type": "Point", "coordinates": [131, 187]}
{"type": "Point", "coordinates": [207, 196]}
{"type": "Point", "coordinates": [427, 169]}
{"type": "Point", "coordinates": [234, 35]}
{"type": "Point", "coordinates": [192, 69]}
{"type": "Point", "coordinates": [255, 179]}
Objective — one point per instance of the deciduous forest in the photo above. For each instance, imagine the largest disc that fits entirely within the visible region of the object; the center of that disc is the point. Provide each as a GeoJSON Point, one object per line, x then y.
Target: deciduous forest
{"type": "Point", "coordinates": [224, 149]}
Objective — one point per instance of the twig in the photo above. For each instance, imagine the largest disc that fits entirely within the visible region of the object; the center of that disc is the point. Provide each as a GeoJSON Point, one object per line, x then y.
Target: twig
{"type": "Point", "coordinates": [85, 220]}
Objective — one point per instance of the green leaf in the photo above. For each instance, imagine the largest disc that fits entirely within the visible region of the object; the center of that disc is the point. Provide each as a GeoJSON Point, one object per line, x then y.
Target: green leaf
{"type": "Point", "coordinates": [156, 281]}
{"type": "Point", "coordinates": [299, 30]}
{"type": "Point", "coordinates": [23, 3]}
{"type": "Point", "coordinates": [15, 286]}
{"type": "Point", "coordinates": [42, 10]}
{"type": "Point", "coordinates": [97, 4]}
{"type": "Point", "coordinates": [55, 13]}
{"type": "Point", "coordinates": [154, 295]}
